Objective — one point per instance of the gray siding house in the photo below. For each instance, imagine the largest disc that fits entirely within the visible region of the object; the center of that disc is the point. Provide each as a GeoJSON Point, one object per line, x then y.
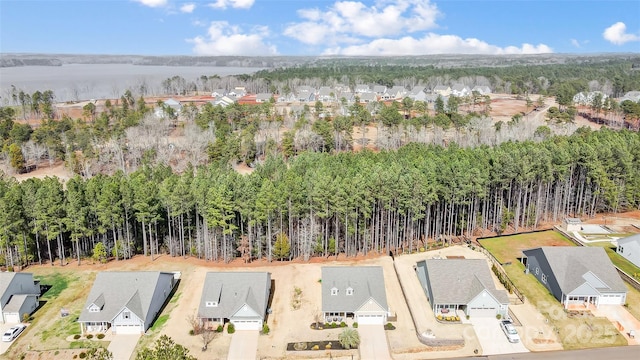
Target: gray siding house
{"type": "Point", "coordinates": [355, 292]}
{"type": "Point", "coordinates": [19, 295]}
{"type": "Point", "coordinates": [461, 284]}
{"type": "Point", "coordinates": [126, 301]}
{"type": "Point", "coordinates": [576, 275]}
{"type": "Point", "coordinates": [629, 248]}
{"type": "Point", "coordinates": [240, 298]}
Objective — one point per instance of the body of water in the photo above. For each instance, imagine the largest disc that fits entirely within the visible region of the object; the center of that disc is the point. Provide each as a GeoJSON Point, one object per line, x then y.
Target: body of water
{"type": "Point", "coordinates": [97, 81]}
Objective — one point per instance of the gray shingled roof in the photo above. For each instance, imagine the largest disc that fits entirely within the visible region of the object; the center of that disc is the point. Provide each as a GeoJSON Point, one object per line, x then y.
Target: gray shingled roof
{"type": "Point", "coordinates": [15, 303]}
{"type": "Point", "coordinates": [367, 283]}
{"type": "Point", "coordinates": [7, 277]}
{"type": "Point", "coordinates": [458, 281]}
{"type": "Point", "coordinates": [629, 239]}
{"type": "Point", "coordinates": [232, 290]}
{"type": "Point", "coordinates": [117, 289]}
{"type": "Point", "coordinates": [569, 265]}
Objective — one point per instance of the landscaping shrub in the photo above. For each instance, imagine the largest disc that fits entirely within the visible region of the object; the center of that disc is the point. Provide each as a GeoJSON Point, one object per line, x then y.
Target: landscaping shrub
{"type": "Point", "coordinates": [265, 329]}
{"type": "Point", "coordinates": [315, 347]}
{"type": "Point", "coordinates": [328, 346]}
{"type": "Point", "coordinates": [498, 316]}
{"type": "Point", "coordinates": [82, 355]}
{"type": "Point", "coordinates": [220, 328]}
{"type": "Point", "coordinates": [76, 336]}
{"type": "Point", "coordinates": [100, 336]}
{"type": "Point", "coordinates": [468, 317]}
{"type": "Point", "coordinates": [334, 325]}
{"type": "Point", "coordinates": [389, 326]}
{"type": "Point", "coordinates": [355, 325]}
{"type": "Point", "coordinates": [191, 332]}
{"type": "Point", "coordinates": [89, 336]}
{"type": "Point", "coordinates": [231, 328]}
{"type": "Point", "coordinates": [343, 324]}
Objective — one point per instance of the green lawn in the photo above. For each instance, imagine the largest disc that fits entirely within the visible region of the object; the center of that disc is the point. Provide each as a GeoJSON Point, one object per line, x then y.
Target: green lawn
{"type": "Point", "coordinates": [162, 319]}
{"type": "Point", "coordinates": [509, 248]}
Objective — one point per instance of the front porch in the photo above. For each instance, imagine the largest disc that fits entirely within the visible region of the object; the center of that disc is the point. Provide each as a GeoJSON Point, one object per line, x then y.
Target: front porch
{"type": "Point", "coordinates": [93, 327]}
{"type": "Point", "coordinates": [211, 323]}
{"type": "Point", "coordinates": [338, 317]}
{"type": "Point", "coordinates": [578, 303]}
{"type": "Point", "coordinates": [449, 309]}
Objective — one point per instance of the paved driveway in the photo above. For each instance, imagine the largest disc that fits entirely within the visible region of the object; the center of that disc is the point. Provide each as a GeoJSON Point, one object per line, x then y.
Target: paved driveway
{"type": "Point", "coordinates": [4, 346]}
{"type": "Point", "coordinates": [373, 343]}
{"type": "Point", "coordinates": [622, 319]}
{"type": "Point", "coordinates": [244, 345]}
{"type": "Point", "coordinates": [492, 339]}
{"type": "Point", "coordinates": [122, 346]}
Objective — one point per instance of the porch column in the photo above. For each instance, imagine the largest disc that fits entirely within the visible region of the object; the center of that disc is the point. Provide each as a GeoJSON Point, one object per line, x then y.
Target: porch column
{"type": "Point", "coordinates": [81, 328]}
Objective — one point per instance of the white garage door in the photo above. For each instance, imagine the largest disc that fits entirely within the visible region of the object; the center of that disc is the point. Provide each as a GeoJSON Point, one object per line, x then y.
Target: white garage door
{"type": "Point", "coordinates": [12, 318]}
{"type": "Point", "coordinates": [610, 299]}
{"type": "Point", "coordinates": [370, 319]}
{"type": "Point", "coordinates": [128, 329]}
{"type": "Point", "coordinates": [482, 312]}
{"type": "Point", "coordinates": [247, 324]}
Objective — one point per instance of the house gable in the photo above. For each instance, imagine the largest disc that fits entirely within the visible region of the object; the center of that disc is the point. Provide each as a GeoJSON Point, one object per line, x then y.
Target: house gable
{"type": "Point", "coordinates": [246, 311]}
{"type": "Point", "coordinates": [485, 299]}
{"type": "Point", "coordinates": [371, 305]}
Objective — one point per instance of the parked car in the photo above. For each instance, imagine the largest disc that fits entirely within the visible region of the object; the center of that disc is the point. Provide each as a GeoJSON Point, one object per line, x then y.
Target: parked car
{"type": "Point", "coordinates": [510, 331]}
{"type": "Point", "coordinates": [13, 332]}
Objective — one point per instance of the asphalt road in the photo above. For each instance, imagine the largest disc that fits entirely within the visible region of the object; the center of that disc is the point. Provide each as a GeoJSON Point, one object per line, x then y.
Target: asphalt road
{"type": "Point", "coordinates": [617, 353]}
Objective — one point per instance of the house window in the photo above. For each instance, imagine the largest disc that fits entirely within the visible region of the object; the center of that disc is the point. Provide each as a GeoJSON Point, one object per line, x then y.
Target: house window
{"type": "Point", "coordinates": [334, 291]}
{"type": "Point", "coordinates": [126, 315]}
{"type": "Point", "coordinates": [211, 303]}
{"type": "Point", "coordinates": [537, 270]}
{"type": "Point", "coordinates": [94, 309]}
{"type": "Point", "coordinates": [349, 291]}
{"type": "Point", "coordinates": [620, 249]}
{"type": "Point", "coordinates": [544, 278]}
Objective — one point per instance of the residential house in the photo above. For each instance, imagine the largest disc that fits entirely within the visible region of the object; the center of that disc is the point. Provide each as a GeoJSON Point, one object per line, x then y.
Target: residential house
{"type": "Point", "coordinates": [362, 89]}
{"type": "Point", "coordinates": [127, 302]}
{"type": "Point", "coordinates": [368, 97]}
{"type": "Point", "coordinates": [586, 98]}
{"type": "Point", "coordinates": [238, 92]}
{"type": "Point", "coordinates": [461, 284]}
{"type": "Point", "coordinates": [629, 248]}
{"type": "Point", "coordinates": [218, 93]}
{"type": "Point", "coordinates": [418, 94]}
{"type": "Point", "coordinates": [631, 95]}
{"type": "Point", "coordinates": [224, 101]}
{"type": "Point", "coordinates": [287, 98]}
{"type": "Point", "coordinates": [306, 94]}
{"type": "Point", "coordinates": [326, 94]}
{"type": "Point", "coordinates": [482, 90]}
{"type": "Point", "coordinates": [263, 97]}
{"type": "Point", "coordinates": [19, 295]}
{"type": "Point", "coordinates": [442, 90]}
{"type": "Point", "coordinates": [576, 275]}
{"type": "Point", "coordinates": [355, 292]}
{"type": "Point", "coordinates": [397, 92]}
{"type": "Point", "coordinates": [379, 89]}
{"type": "Point", "coordinates": [240, 298]}
{"type": "Point", "coordinates": [460, 90]}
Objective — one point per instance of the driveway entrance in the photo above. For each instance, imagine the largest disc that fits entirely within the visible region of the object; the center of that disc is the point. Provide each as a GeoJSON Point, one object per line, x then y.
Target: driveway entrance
{"type": "Point", "coordinates": [122, 346]}
{"type": "Point", "coordinates": [373, 342]}
{"type": "Point", "coordinates": [491, 337]}
{"type": "Point", "coordinates": [621, 319]}
{"type": "Point", "coordinates": [244, 345]}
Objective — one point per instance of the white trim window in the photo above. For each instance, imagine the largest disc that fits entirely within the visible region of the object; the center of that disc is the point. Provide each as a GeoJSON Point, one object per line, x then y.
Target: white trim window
{"type": "Point", "coordinates": [126, 315]}
{"type": "Point", "coordinates": [334, 291]}
{"type": "Point", "coordinates": [211, 304]}
{"type": "Point", "coordinates": [537, 270]}
{"type": "Point", "coordinates": [349, 291]}
{"type": "Point", "coordinates": [544, 278]}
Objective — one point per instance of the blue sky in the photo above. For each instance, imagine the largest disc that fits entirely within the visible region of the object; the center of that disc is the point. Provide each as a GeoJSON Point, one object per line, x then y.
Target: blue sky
{"type": "Point", "coordinates": [326, 27]}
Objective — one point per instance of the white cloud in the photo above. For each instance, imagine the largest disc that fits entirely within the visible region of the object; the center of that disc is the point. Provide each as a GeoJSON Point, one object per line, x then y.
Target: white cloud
{"type": "Point", "coordinates": [344, 21]}
{"type": "Point", "coordinates": [188, 8]}
{"type": "Point", "coordinates": [236, 4]}
{"type": "Point", "coordinates": [152, 3]}
{"type": "Point", "coordinates": [225, 39]}
{"type": "Point", "coordinates": [616, 34]}
{"type": "Point", "coordinates": [433, 44]}
{"type": "Point", "coordinates": [575, 43]}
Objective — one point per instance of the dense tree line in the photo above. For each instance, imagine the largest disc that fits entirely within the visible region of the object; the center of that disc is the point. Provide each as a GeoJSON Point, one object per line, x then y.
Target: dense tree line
{"type": "Point", "coordinates": [319, 204]}
{"type": "Point", "coordinates": [615, 76]}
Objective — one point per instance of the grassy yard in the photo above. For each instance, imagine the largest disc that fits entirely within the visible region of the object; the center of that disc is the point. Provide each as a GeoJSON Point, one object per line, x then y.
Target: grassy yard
{"type": "Point", "coordinates": [509, 248]}
{"type": "Point", "coordinates": [574, 333]}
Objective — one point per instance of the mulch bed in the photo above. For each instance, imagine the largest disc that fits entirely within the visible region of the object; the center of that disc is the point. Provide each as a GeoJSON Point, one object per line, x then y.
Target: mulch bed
{"type": "Point", "coordinates": [321, 345]}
